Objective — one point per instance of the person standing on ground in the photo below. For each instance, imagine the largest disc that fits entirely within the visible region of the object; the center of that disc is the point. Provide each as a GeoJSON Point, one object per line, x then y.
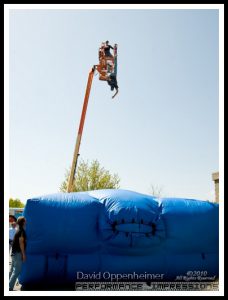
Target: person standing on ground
{"type": "Point", "coordinates": [12, 231]}
{"type": "Point", "coordinates": [12, 219]}
{"type": "Point", "coordinates": [18, 252]}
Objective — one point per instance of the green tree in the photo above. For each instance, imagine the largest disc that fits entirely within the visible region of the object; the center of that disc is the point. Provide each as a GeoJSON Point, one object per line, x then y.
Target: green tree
{"type": "Point", "coordinates": [16, 203]}
{"type": "Point", "coordinates": [156, 191]}
{"type": "Point", "coordinates": [91, 176]}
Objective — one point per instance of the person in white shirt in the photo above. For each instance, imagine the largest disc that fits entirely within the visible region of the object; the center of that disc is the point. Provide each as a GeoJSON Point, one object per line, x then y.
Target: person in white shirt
{"type": "Point", "coordinates": [12, 231]}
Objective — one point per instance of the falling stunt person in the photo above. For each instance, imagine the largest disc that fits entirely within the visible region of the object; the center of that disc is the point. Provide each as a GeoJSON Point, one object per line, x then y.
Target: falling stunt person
{"type": "Point", "coordinates": [112, 81]}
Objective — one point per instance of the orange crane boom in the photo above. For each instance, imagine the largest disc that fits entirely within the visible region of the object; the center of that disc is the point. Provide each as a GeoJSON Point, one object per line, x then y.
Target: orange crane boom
{"type": "Point", "coordinates": [107, 66]}
{"type": "Point", "coordinates": [80, 130]}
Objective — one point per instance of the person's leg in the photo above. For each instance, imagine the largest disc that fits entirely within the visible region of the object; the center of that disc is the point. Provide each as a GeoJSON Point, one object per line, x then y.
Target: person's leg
{"type": "Point", "coordinates": [115, 66]}
{"type": "Point", "coordinates": [16, 270]}
{"type": "Point", "coordinates": [12, 266]}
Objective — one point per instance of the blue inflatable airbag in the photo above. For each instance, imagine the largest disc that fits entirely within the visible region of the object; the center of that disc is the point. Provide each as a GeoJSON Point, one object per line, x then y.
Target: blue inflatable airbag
{"type": "Point", "coordinates": [88, 235]}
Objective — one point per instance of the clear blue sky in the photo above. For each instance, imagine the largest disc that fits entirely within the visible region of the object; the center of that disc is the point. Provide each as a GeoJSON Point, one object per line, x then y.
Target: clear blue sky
{"type": "Point", "coordinates": [162, 128]}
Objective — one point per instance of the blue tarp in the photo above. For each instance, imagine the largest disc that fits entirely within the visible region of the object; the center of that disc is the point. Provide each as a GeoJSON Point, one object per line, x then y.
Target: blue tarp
{"type": "Point", "coordinates": [118, 232]}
